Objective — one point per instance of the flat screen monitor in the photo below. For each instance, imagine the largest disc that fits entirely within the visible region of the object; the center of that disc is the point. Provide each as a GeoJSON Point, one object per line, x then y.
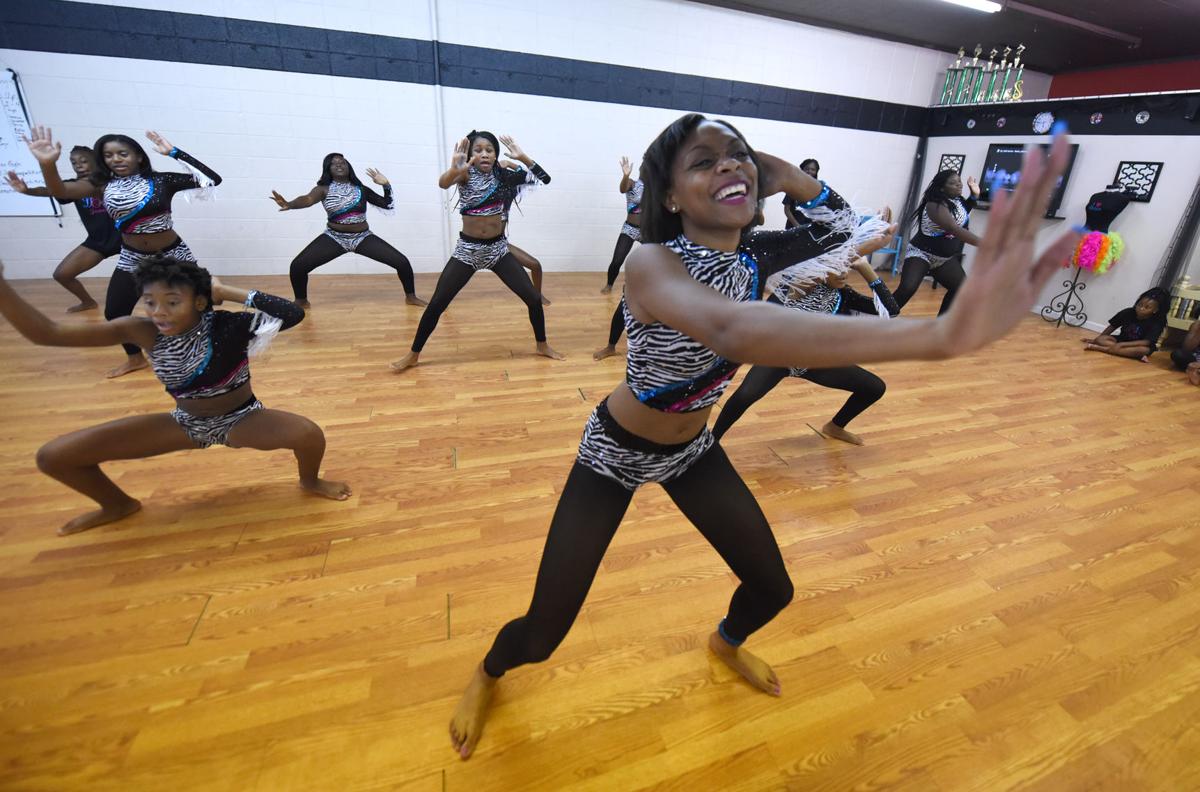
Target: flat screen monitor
{"type": "Point", "coordinates": [1002, 167]}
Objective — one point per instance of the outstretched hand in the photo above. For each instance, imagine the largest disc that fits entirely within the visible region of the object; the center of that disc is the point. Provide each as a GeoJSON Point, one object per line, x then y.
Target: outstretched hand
{"type": "Point", "coordinates": [218, 295]}
{"type": "Point", "coordinates": [161, 144]}
{"type": "Point", "coordinates": [514, 150]}
{"type": "Point", "coordinates": [377, 177]}
{"type": "Point", "coordinates": [16, 182]}
{"type": "Point", "coordinates": [1007, 277]}
{"type": "Point", "coordinates": [280, 201]}
{"type": "Point", "coordinates": [43, 146]}
{"type": "Point", "coordinates": [626, 166]}
{"type": "Point", "coordinates": [973, 185]}
{"type": "Point", "coordinates": [459, 158]}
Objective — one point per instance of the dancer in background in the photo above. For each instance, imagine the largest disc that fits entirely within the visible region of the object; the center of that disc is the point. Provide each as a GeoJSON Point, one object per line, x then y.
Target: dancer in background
{"type": "Point", "coordinates": [103, 239]}
{"type": "Point", "coordinates": [138, 199]}
{"type": "Point", "coordinates": [692, 308]}
{"type": "Point", "coordinates": [632, 230]}
{"type": "Point", "coordinates": [485, 193]}
{"type": "Point", "coordinates": [201, 357]}
{"type": "Point", "coordinates": [523, 258]}
{"type": "Point", "coordinates": [796, 218]}
{"type": "Point", "coordinates": [345, 199]}
{"type": "Point", "coordinates": [832, 296]}
{"type": "Point", "coordinates": [936, 249]}
{"type": "Point", "coordinates": [1133, 332]}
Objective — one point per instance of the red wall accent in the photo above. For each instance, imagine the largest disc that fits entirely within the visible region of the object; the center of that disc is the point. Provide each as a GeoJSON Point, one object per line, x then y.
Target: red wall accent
{"type": "Point", "coordinates": [1181, 75]}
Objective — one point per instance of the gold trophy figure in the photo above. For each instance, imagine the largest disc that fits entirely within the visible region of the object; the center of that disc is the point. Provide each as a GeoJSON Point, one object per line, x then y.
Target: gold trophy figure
{"type": "Point", "coordinates": [981, 87]}
{"type": "Point", "coordinates": [952, 74]}
{"type": "Point", "coordinates": [1017, 89]}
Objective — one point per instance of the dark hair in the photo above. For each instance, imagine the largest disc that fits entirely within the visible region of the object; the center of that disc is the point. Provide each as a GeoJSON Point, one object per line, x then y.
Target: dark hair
{"type": "Point", "coordinates": [659, 225]}
{"type": "Point", "coordinates": [327, 177]}
{"type": "Point", "coordinates": [475, 134]}
{"type": "Point", "coordinates": [175, 273]}
{"type": "Point", "coordinates": [102, 175]}
{"type": "Point", "coordinates": [83, 150]}
{"type": "Point", "coordinates": [1160, 296]}
{"type": "Point", "coordinates": [813, 161]}
{"type": "Point", "coordinates": [935, 193]}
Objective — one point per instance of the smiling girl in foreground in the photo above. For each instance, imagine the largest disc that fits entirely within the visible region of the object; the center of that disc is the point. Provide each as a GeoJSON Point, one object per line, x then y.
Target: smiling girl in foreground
{"type": "Point", "coordinates": [201, 356]}
{"type": "Point", "coordinates": [692, 309]}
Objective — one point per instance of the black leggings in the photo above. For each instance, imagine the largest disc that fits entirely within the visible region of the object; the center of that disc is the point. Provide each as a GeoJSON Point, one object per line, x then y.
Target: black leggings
{"type": "Point", "coordinates": [710, 494]}
{"type": "Point", "coordinates": [865, 387]}
{"type": "Point", "coordinates": [120, 300]}
{"type": "Point", "coordinates": [455, 276]}
{"type": "Point", "coordinates": [323, 250]}
{"type": "Point", "coordinates": [950, 275]}
{"type": "Point", "coordinates": [617, 325]}
{"type": "Point", "coordinates": [624, 245]}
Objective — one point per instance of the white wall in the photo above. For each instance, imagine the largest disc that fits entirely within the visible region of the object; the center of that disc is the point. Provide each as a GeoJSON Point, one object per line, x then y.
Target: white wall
{"type": "Point", "coordinates": [1147, 228]}
{"type": "Point", "coordinates": [266, 130]}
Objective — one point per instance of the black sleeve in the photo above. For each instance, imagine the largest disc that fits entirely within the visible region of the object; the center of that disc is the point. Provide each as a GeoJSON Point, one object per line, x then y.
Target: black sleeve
{"type": "Point", "coordinates": [375, 199]}
{"type": "Point", "coordinates": [970, 203]}
{"type": "Point", "coordinates": [853, 301]}
{"type": "Point", "coordinates": [285, 310]}
{"type": "Point", "coordinates": [1153, 331]}
{"type": "Point", "coordinates": [538, 172]}
{"type": "Point", "coordinates": [777, 250]}
{"type": "Point", "coordinates": [183, 156]}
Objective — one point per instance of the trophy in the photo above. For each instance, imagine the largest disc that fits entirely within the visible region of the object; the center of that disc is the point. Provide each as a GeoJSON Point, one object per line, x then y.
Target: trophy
{"type": "Point", "coordinates": [952, 74]}
{"type": "Point", "coordinates": [981, 87]}
{"type": "Point", "coordinates": [970, 76]}
{"type": "Point", "coordinates": [1017, 91]}
{"type": "Point", "coordinates": [996, 89]}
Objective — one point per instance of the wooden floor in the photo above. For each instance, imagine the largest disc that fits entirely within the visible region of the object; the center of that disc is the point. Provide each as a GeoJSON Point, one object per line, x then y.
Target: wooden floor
{"type": "Point", "coordinates": [1001, 590]}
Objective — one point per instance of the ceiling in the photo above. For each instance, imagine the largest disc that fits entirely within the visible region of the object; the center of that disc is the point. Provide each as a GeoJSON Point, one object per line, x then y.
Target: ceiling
{"type": "Point", "coordinates": [1167, 28]}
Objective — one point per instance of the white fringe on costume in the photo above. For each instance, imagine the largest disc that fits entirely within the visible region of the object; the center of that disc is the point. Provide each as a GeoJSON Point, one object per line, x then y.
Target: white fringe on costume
{"type": "Point", "coordinates": [843, 221]}
{"type": "Point", "coordinates": [207, 190]}
{"type": "Point", "coordinates": [266, 327]}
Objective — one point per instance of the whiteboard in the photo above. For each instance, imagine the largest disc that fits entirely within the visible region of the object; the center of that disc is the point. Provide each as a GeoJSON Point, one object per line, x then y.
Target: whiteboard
{"type": "Point", "coordinates": [15, 156]}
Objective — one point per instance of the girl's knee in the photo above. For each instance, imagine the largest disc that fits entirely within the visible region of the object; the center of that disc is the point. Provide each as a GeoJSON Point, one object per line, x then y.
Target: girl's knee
{"type": "Point", "coordinates": [51, 457]}
{"type": "Point", "coordinates": [779, 591]}
{"type": "Point", "coordinates": [62, 276]}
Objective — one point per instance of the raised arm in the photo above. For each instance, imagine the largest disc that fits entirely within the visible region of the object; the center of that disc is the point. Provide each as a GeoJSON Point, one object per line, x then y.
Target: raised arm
{"type": "Point", "coordinates": [315, 195]}
{"type": "Point", "coordinates": [517, 153]}
{"type": "Point", "coordinates": [285, 310]}
{"type": "Point", "coordinates": [41, 330]}
{"type": "Point", "coordinates": [46, 150]}
{"type": "Point", "coordinates": [459, 168]}
{"type": "Point", "coordinates": [164, 147]}
{"type": "Point", "coordinates": [1006, 280]}
{"type": "Point", "coordinates": [375, 199]}
{"type": "Point", "coordinates": [18, 184]}
{"type": "Point", "coordinates": [939, 214]}
{"type": "Point", "coordinates": [626, 172]}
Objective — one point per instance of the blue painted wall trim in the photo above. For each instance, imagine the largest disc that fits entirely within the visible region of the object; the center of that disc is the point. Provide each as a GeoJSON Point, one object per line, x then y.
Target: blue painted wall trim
{"type": "Point", "coordinates": [90, 29]}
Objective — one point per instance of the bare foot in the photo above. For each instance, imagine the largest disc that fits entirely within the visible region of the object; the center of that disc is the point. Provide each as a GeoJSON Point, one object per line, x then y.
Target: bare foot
{"type": "Point", "coordinates": [604, 352]}
{"type": "Point", "coordinates": [408, 361]}
{"type": "Point", "coordinates": [132, 363]}
{"type": "Point", "coordinates": [1193, 375]}
{"type": "Point", "coordinates": [752, 669]}
{"type": "Point", "coordinates": [412, 299]}
{"type": "Point", "coordinates": [334, 490]}
{"type": "Point", "coordinates": [467, 724]}
{"type": "Point", "coordinates": [544, 350]}
{"type": "Point", "coordinates": [544, 300]}
{"type": "Point", "coordinates": [101, 517]}
{"type": "Point", "coordinates": [606, 290]}
{"type": "Point", "coordinates": [83, 306]}
{"type": "Point", "coordinates": [838, 433]}
{"type": "Point", "coordinates": [305, 304]}
{"type": "Point", "coordinates": [1088, 346]}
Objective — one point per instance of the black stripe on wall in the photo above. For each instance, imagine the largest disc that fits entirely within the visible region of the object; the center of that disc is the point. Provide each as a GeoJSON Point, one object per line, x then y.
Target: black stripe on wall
{"type": "Point", "coordinates": [89, 29]}
{"type": "Point", "coordinates": [1168, 114]}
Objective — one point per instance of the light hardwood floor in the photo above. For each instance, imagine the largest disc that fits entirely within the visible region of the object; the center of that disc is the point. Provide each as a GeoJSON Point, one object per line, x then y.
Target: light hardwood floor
{"type": "Point", "coordinates": [1001, 590]}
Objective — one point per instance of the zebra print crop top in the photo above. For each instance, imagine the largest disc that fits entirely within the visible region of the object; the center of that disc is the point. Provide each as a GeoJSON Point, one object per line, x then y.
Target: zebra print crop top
{"type": "Point", "coordinates": [633, 197]}
{"type": "Point", "coordinates": [212, 358]}
{"type": "Point", "coordinates": [346, 202]}
{"type": "Point", "coordinates": [672, 372]}
{"type": "Point", "coordinates": [142, 204]}
{"type": "Point", "coordinates": [493, 193]}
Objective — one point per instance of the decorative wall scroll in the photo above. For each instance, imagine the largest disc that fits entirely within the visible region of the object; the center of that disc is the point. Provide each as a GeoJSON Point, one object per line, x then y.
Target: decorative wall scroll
{"type": "Point", "coordinates": [952, 162]}
{"type": "Point", "coordinates": [1139, 178]}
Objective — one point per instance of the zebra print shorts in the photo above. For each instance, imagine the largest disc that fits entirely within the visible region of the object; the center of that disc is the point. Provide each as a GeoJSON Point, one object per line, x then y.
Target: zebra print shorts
{"type": "Point", "coordinates": [213, 429]}
{"type": "Point", "coordinates": [131, 259]}
{"type": "Point", "coordinates": [349, 240]}
{"type": "Point", "coordinates": [613, 451]}
{"type": "Point", "coordinates": [924, 255]}
{"type": "Point", "coordinates": [480, 254]}
{"type": "Point", "coordinates": [632, 231]}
